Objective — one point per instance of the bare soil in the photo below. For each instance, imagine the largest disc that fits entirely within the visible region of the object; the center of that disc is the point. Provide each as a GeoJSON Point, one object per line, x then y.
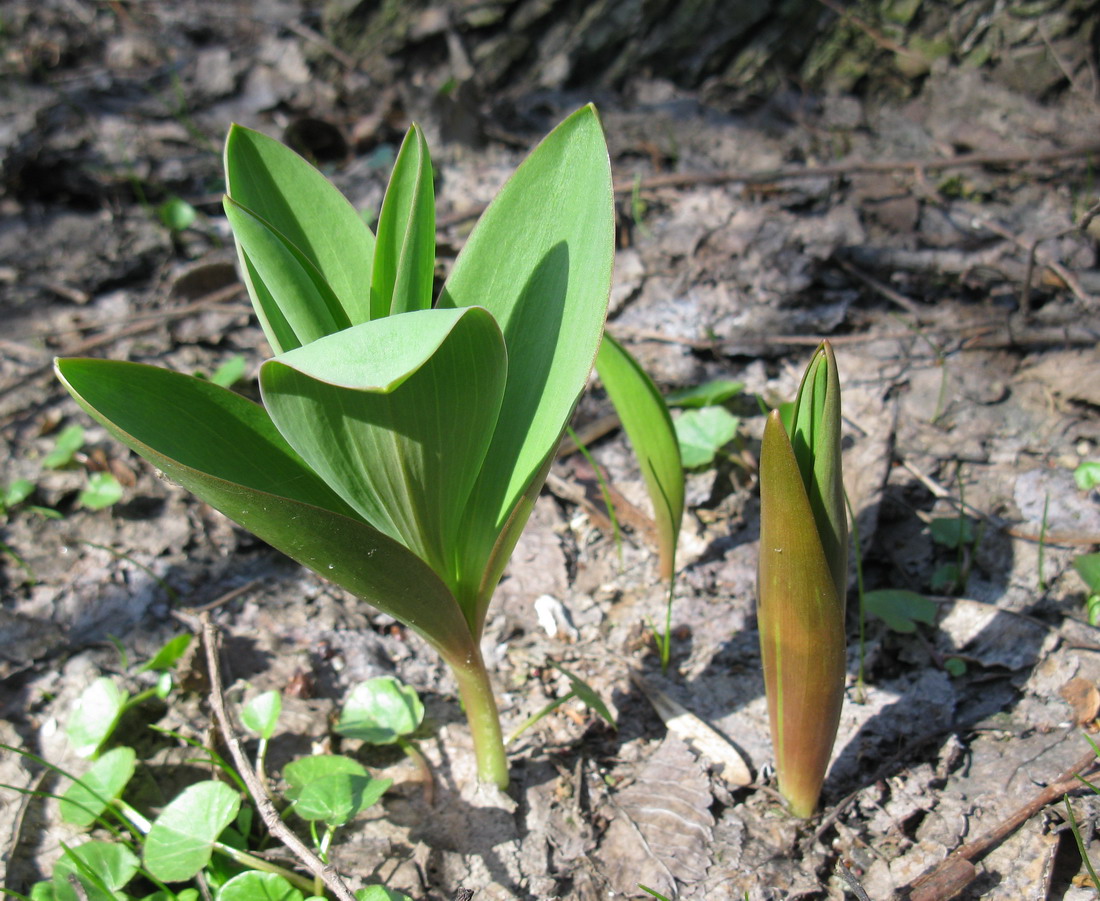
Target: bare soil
{"type": "Point", "coordinates": [937, 244]}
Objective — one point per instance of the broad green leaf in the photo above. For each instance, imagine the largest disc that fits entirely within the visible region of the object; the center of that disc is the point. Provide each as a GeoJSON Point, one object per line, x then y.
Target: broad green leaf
{"type": "Point", "coordinates": [339, 797]}
{"type": "Point", "coordinates": [68, 443]}
{"type": "Point", "coordinates": [539, 260]}
{"type": "Point", "coordinates": [1088, 568]}
{"type": "Point", "coordinates": [801, 621]}
{"type": "Point", "coordinates": [227, 451]}
{"type": "Point", "coordinates": [645, 418]}
{"type": "Point", "coordinates": [302, 205]}
{"type": "Point", "coordinates": [381, 710]}
{"type": "Point", "coordinates": [169, 654]}
{"type": "Point", "coordinates": [708, 394]}
{"type": "Point", "coordinates": [305, 301]}
{"type": "Point", "coordinates": [396, 415]}
{"type": "Point", "coordinates": [102, 868]}
{"type": "Point", "coordinates": [952, 531]}
{"type": "Point", "coordinates": [404, 251]}
{"type": "Point", "coordinates": [261, 714]}
{"type": "Point", "coordinates": [102, 490]}
{"type": "Point", "coordinates": [256, 886]}
{"type": "Point", "coordinates": [94, 715]}
{"type": "Point", "coordinates": [181, 840]}
{"type": "Point", "coordinates": [301, 772]}
{"type": "Point", "coordinates": [87, 798]}
{"type": "Point", "coordinates": [901, 610]}
{"type": "Point", "coordinates": [703, 432]}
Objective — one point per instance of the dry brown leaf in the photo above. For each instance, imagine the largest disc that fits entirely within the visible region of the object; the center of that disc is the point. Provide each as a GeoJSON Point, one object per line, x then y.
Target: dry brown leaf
{"type": "Point", "coordinates": [1083, 696]}
{"type": "Point", "coordinates": [661, 825]}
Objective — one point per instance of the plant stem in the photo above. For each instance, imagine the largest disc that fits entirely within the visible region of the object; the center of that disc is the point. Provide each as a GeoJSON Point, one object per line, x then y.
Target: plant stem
{"type": "Point", "coordinates": [481, 711]}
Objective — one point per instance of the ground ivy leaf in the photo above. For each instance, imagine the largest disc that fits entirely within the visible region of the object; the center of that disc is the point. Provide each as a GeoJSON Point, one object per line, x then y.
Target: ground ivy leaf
{"type": "Point", "coordinates": [257, 886]}
{"type": "Point", "coordinates": [702, 433]}
{"type": "Point", "coordinates": [381, 710]}
{"type": "Point", "coordinates": [900, 609]}
{"type": "Point", "coordinates": [87, 798]}
{"type": "Point", "coordinates": [95, 715]}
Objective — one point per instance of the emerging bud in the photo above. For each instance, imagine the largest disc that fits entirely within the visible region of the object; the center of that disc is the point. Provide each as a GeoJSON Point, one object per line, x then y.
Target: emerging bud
{"type": "Point", "coordinates": [802, 582]}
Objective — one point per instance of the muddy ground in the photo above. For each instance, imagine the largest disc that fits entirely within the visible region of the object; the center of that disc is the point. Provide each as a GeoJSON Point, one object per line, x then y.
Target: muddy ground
{"type": "Point", "coordinates": [964, 305]}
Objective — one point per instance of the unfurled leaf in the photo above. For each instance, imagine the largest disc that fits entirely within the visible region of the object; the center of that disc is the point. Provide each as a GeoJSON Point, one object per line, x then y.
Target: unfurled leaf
{"type": "Point", "coordinates": [89, 796]}
{"type": "Point", "coordinates": [299, 773]}
{"type": "Point", "coordinates": [67, 444]}
{"type": "Point", "coordinates": [1087, 475]}
{"type": "Point", "coordinates": [255, 886]}
{"type": "Point", "coordinates": [168, 655]}
{"type": "Point", "coordinates": [649, 427]}
{"type": "Point", "coordinates": [381, 710]}
{"type": "Point", "coordinates": [331, 788]}
{"type": "Point", "coordinates": [102, 490]}
{"type": "Point", "coordinates": [261, 714]}
{"type": "Point", "coordinates": [181, 840]}
{"type": "Point", "coordinates": [101, 867]}
{"type": "Point", "coordinates": [901, 610]}
{"type": "Point", "coordinates": [95, 715]}
{"type": "Point", "coordinates": [704, 432]}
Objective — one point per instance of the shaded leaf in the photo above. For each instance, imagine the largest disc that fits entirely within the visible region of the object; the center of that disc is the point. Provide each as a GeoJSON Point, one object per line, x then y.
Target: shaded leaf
{"type": "Point", "coordinates": [337, 798]}
{"type": "Point", "coordinates": [299, 773]}
{"type": "Point", "coordinates": [102, 868]}
{"type": "Point", "coordinates": [647, 423]}
{"type": "Point", "coordinates": [661, 826]}
{"type": "Point", "coordinates": [539, 260]}
{"type": "Point", "coordinates": [68, 443]}
{"type": "Point", "coordinates": [708, 394]}
{"type": "Point", "coordinates": [102, 490]}
{"type": "Point", "coordinates": [169, 654]}
{"type": "Point", "coordinates": [901, 610]}
{"type": "Point", "coordinates": [1088, 568]}
{"type": "Point", "coordinates": [952, 531]}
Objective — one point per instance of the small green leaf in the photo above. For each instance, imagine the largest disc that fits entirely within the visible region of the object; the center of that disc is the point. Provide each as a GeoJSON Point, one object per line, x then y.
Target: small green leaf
{"type": "Point", "coordinates": [339, 797]}
{"type": "Point", "coordinates": [1088, 568]}
{"type": "Point", "coordinates": [17, 492]}
{"type": "Point", "coordinates": [87, 798]}
{"type": "Point", "coordinates": [945, 577]}
{"type": "Point", "coordinates": [1087, 475]}
{"type": "Point", "coordinates": [169, 654]}
{"type": "Point", "coordinates": [584, 691]}
{"type": "Point", "coordinates": [256, 886]}
{"type": "Point", "coordinates": [95, 715]}
{"type": "Point", "coordinates": [952, 531]}
{"type": "Point", "coordinates": [955, 666]}
{"type": "Point", "coordinates": [102, 490]}
{"type": "Point", "coordinates": [901, 610]}
{"type": "Point", "coordinates": [299, 773]}
{"type": "Point", "coordinates": [261, 714]}
{"type": "Point", "coordinates": [702, 433]}
{"type": "Point", "coordinates": [230, 372]}
{"type": "Point", "coordinates": [67, 444]}
{"type": "Point", "coordinates": [176, 214]}
{"type": "Point", "coordinates": [181, 840]}
{"type": "Point", "coordinates": [707, 395]}
{"type": "Point", "coordinates": [380, 893]}
{"type": "Point", "coordinates": [43, 891]}
{"type": "Point", "coordinates": [102, 868]}
{"type": "Point", "coordinates": [379, 711]}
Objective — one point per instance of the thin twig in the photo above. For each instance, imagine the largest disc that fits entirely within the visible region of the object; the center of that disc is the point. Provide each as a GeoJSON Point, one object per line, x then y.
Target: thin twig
{"type": "Point", "coordinates": [853, 884]}
{"type": "Point", "coordinates": [626, 186]}
{"type": "Point", "coordinates": [326, 872]}
{"type": "Point", "coordinates": [1066, 782]}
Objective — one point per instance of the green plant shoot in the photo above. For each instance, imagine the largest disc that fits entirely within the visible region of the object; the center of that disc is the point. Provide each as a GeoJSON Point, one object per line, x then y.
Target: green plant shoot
{"type": "Point", "coordinates": [802, 581]}
{"type": "Point", "coordinates": [400, 445]}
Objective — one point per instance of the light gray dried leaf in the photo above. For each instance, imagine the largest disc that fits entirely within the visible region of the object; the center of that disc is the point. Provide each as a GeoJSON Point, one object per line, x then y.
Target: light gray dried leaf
{"type": "Point", "coordinates": [661, 825]}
